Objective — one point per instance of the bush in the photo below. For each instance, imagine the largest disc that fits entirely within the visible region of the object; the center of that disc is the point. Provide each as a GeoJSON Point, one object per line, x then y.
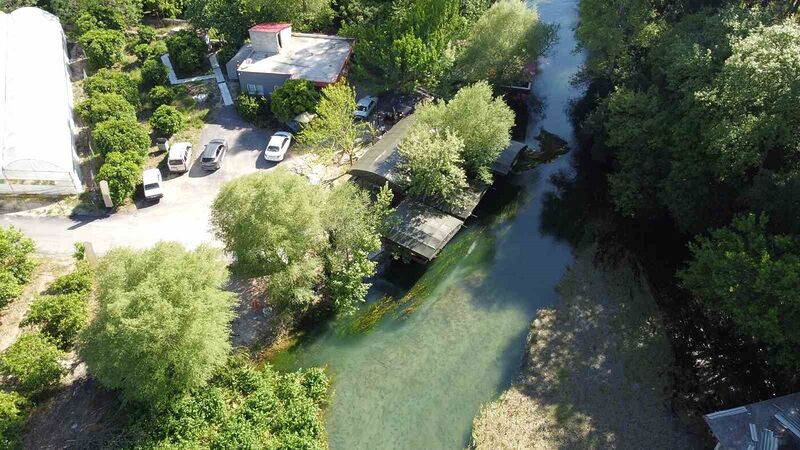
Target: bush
{"type": "Point", "coordinates": [16, 262]}
{"type": "Point", "coordinates": [76, 282]}
{"type": "Point", "coordinates": [167, 120]}
{"type": "Point", "coordinates": [59, 317]}
{"type": "Point", "coordinates": [85, 23]}
{"type": "Point", "coordinates": [112, 14]}
{"type": "Point", "coordinates": [152, 50]}
{"type": "Point", "coordinates": [146, 34]}
{"type": "Point", "coordinates": [32, 363]}
{"type": "Point", "coordinates": [154, 73]}
{"type": "Point", "coordinates": [186, 51]}
{"type": "Point", "coordinates": [112, 81]}
{"type": "Point", "coordinates": [14, 410]}
{"type": "Point", "coordinates": [292, 98]}
{"type": "Point", "coordinates": [122, 171]}
{"type": "Point", "coordinates": [103, 47]}
{"type": "Point", "coordinates": [251, 107]}
{"type": "Point", "coordinates": [120, 135]}
{"type": "Point", "coordinates": [161, 95]}
{"type": "Point", "coordinates": [101, 107]}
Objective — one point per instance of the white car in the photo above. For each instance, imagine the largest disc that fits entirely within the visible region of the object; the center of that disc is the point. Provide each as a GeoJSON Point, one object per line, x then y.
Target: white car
{"type": "Point", "coordinates": [278, 145]}
{"type": "Point", "coordinates": [180, 157]}
{"type": "Point", "coordinates": [153, 185]}
{"type": "Point", "coordinates": [365, 106]}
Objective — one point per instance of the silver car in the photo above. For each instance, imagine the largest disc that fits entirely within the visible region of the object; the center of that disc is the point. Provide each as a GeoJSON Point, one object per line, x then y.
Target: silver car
{"type": "Point", "coordinates": [213, 154]}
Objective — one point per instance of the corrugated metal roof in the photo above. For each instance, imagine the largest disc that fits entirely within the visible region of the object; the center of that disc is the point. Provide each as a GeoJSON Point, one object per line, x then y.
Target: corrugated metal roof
{"type": "Point", "coordinates": [422, 230]}
{"type": "Point", "coordinates": [503, 164]}
{"type": "Point", "coordinates": [380, 163]}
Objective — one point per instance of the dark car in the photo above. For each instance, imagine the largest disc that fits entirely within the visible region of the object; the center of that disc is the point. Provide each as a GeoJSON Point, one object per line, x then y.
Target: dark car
{"type": "Point", "coordinates": [213, 154]}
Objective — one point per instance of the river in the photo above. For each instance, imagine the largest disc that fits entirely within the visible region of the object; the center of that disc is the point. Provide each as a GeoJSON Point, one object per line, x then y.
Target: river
{"type": "Point", "coordinates": [418, 378]}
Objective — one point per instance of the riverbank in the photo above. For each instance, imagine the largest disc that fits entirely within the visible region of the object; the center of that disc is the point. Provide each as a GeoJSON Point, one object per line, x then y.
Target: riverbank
{"type": "Point", "coordinates": [595, 373]}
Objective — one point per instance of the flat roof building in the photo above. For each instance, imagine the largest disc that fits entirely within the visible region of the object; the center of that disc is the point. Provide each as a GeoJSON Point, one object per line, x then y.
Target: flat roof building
{"type": "Point", "coordinates": [37, 133]}
{"type": "Point", "coordinates": [276, 54]}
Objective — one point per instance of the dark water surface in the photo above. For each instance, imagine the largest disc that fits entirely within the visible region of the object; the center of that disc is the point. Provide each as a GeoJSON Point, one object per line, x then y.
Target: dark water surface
{"type": "Point", "coordinates": [420, 376]}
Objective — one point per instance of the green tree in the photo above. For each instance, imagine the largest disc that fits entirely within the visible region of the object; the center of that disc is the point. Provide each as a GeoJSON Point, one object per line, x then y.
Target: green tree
{"type": "Point", "coordinates": [122, 171]}
{"type": "Point", "coordinates": [750, 277]}
{"type": "Point", "coordinates": [111, 14]}
{"type": "Point", "coordinates": [101, 107]}
{"type": "Point", "coordinates": [152, 50]}
{"type": "Point", "coordinates": [10, 5]}
{"type": "Point", "coordinates": [16, 262]}
{"type": "Point", "coordinates": [334, 132]}
{"type": "Point", "coordinates": [33, 363]}
{"type": "Point", "coordinates": [252, 108]}
{"type": "Point", "coordinates": [186, 51]}
{"type": "Point", "coordinates": [165, 8]}
{"type": "Point", "coordinates": [163, 321]}
{"type": "Point", "coordinates": [154, 73]}
{"type": "Point", "coordinates": [107, 81]}
{"type": "Point", "coordinates": [167, 120]}
{"type": "Point", "coordinates": [481, 121]}
{"type": "Point", "coordinates": [432, 163]}
{"type": "Point", "coordinates": [161, 95]}
{"type": "Point", "coordinates": [503, 43]}
{"type": "Point", "coordinates": [103, 47]}
{"type": "Point", "coordinates": [120, 135]}
{"type": "Point", "coordinates": [292, 98]}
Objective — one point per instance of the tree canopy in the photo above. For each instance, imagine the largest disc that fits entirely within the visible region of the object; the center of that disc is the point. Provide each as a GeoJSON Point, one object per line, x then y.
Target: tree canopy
{"type": "Point", "coordinates": [334, 132]}
{"type": "Point", "coordinates": [163, 321]}
{"type": "Point", "coordinates": [292, 98]}
{"type": "Point", "coordinates": [432, 163]}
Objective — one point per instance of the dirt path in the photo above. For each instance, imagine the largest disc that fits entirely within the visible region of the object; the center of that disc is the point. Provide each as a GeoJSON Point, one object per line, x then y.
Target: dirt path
{"type": "Point", "coordinates": [11, 316]}
{"type": "Point", "coordinates": [595, 373]}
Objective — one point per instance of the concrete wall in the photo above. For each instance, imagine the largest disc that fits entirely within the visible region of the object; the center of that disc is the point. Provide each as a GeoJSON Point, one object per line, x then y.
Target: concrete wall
{"type": "Point", "coordinates": [267, 81]}
{"type": "Point", "coordinates": [267, 42]}
{"type": "Point", "coordinates": [232, 65]}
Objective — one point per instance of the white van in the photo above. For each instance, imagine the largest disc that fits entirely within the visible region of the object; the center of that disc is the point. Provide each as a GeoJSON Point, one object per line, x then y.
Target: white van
{"type": "Point", "coordinates": [180, 157]}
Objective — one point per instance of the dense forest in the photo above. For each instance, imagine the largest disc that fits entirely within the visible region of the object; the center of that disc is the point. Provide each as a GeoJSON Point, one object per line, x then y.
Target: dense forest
{"type": "Point", "coordinates": [691, 156]}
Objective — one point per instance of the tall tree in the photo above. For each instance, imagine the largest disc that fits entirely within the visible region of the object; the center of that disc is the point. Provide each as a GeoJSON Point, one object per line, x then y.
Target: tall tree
{"type": "Point", "coordinates": [163, 321]}
{"type": "Point", "coordinates": [333, 133]}
{"type": "Point", "coordinates": [432, 163]}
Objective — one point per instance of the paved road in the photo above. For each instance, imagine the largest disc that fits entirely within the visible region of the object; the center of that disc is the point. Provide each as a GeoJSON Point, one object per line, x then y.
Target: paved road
{"type": "Point", "coordinates": [182, 215]}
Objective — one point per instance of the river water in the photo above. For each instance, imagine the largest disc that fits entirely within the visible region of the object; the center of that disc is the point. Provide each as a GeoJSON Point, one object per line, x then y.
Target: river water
{"type": "Point", "coordinates": [418, 378]}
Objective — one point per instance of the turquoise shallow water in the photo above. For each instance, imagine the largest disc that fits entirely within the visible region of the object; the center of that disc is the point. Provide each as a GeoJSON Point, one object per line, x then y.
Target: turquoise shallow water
{"type": "Point", "coordinates": [417, 379]}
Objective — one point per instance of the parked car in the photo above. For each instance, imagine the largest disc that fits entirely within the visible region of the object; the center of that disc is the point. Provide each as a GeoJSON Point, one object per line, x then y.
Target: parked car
{"type": "Point", "coordinates": [180, 157]}
{"type": "Point", "coordinates": [213, 154]}
{"type": "Point", "coordinates": [365, 106]}
{"type": "Point", "coordinates": [153, 186]}
{"type": "Point", "coordinates": [299, 121]}
{"type": "Point", "coordinates": [278, 145]}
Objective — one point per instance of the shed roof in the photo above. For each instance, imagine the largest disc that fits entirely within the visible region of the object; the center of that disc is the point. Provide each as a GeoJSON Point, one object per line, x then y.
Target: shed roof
{"type": "Point", "coordinates": [463, 206]}
{"type": "Point", "coordinates": [770, 424]}
{"type": "Point", "coordinates": [270, 27]}
{"type": "Point", "coordinates": [34, 72]}
{"type": "Point", "coordinates": [379, 163]}
{"type": "Point", "coordinates": [503, 164]}
{"type": "Point", "coordinates": [422, 230]}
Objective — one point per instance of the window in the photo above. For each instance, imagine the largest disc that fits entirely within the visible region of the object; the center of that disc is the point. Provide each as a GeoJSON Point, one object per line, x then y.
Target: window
{"type": "Point", "coordinates": [251, 89]}
{"type": "Point", "coordinates": [280, 44]}
{"type": "Point", "coordinates": [260, 89]}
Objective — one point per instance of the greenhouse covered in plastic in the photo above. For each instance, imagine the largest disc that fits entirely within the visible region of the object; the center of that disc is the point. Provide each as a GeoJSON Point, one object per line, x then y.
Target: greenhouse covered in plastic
{"type": "Point", "coordinates": [37, 133]}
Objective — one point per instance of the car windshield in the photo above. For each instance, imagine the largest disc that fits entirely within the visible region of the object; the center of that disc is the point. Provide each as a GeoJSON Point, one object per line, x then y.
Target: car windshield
{"type": "Point", "coordinates": [273, 148]}
{"type": "Point", "coordinates": [147, 187]}
{"type": "Point", "coordinates": [175, 162]}
{"type": "Point", "coordinates": [207, 159]}
{"type": "Point", "coordinates": [362, 108]}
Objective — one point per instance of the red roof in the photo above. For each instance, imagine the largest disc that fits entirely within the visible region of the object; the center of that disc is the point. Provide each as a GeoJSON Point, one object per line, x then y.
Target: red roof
{"type": "Point", "coordinates": [271, 27]}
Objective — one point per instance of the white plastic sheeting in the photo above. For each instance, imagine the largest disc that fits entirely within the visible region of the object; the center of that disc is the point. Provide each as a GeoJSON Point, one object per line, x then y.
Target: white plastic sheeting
{"type": "Point", "coordinates": [37, 133]}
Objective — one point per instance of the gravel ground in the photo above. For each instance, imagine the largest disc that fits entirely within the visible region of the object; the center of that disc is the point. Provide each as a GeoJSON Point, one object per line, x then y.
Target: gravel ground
{"type": "Point", "coordinates": [595, 375]}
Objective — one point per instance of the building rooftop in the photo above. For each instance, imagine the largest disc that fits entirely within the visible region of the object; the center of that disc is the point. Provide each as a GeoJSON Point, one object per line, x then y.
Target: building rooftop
{"type": "Point", "coordinates": [379, 163]}
{"type": "Point", "coordinates": [772, 424]}
{"type": "Point", "coordinates": [503, 164]}
{"type": "Point", "coordinates": [422, 230]}
{"type": "Point", "coordinates": [314, 57]}
{"type": "Point", "coordinates": [270, 27]}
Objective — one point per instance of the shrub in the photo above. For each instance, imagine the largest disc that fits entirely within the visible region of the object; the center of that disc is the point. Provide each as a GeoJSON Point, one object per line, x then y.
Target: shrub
{"type": "Point", "coordinates": [112, 14]}
{"type": "Point", "coordinates": [59, 317]}
{"type": "Point", "coordinates": [152, 50]}
{"type": "Point", "coordinates": [316, 383]}
{"type": "Point", "coordinates": [101, 107]}
{"type": "Point", "coordinates": [161, 95]}
{"type": "Point", "coordinates": [112, 81]}
{"type": "Point", "coordinates": [122, 171]}
{"type": "Point", "coordinates": [120, 135]}
{"type": "Point", "coordinates": [85, 23]}
{"type": "Point", "coordinates": [14, 410]}
{"type": "Point", "coordinates": [146, 34]}
{"type": "Point", "coordinates": [154, 73]}
{"type": "Point", "coordinates": [186, 51]}
{"type": "Point", "coordinates": [76, 282]}
{"type": "Point", "coordinates": [103, 47]}
{"type": "Point", "coordinates": [167, 120]}
{"type": "Point", "coordinates": [32, 363]}
{"type": "Point", "coordinates": [251, 107]}
{"type": "Point", "coordinates": [16, 262]}
{"type": "Point", "coordinates": [292, 98]}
